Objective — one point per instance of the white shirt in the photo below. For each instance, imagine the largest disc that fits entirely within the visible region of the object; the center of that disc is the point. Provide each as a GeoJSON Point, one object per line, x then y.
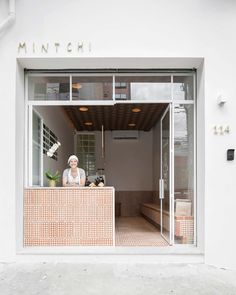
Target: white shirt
{"type": "Point", "coordinates": [70, 179]}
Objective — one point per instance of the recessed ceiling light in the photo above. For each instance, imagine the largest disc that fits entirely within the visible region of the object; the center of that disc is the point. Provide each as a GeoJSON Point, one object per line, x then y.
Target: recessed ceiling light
{"type": "Point", "coordinates": [136, 110]}
{"type": "Point", "coordinates": [88, 123]}
{"type": "Point", "coordinates": [83, 109]}
{"type": "Point", "coordinates": [132, 124]}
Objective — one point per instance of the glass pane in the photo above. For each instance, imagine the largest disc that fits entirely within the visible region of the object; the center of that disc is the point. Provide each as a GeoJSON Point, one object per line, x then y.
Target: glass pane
{"type": "Point", "coordinates": [36, 165]}
{"type": "Point", "coordinates": [165, 174]}
{"type": "Point", "coordinates": [183, 88]}
{"type": "Point", "coordinates": [92, 88]}
{"type": "Point", "coordinates": [36, 150]}
{"type": "Point", "coordinates": [49, 88]}
{"type": "Point", "coordinates": [143, 88]}
{"type": "Point", "coordinates": [184, 173]}
{"type": "Point", "coordinates": [36, 128]}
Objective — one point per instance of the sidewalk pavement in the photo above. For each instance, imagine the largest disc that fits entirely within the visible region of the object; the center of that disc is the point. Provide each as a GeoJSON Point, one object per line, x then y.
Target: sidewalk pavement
{"type": "Point", "coordinates": [122, 279]}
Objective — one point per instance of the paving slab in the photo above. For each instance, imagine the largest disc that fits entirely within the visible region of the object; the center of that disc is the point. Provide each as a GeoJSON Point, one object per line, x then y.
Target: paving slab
{"type": "Point", "coordinates": [119, 278]}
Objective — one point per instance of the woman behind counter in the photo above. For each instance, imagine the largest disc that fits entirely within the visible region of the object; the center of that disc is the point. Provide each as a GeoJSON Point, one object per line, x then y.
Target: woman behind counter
{"type": "Point", "coordinates": [73, 176]}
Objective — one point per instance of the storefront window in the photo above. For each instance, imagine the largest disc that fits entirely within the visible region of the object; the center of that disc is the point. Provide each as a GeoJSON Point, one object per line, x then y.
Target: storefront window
{"type": "Point", "coordinates": [143, 88]}
{"type": "Point", "coordinates": [81, 93]}
{"type": "Point", "coordinates": [92, 88]}
{"type": "Point", "coordinates": [48, 88]}
{"type": "Point", "coordinates": [184, 173]}
{"type": "Point", "coordinates": [183, 88]}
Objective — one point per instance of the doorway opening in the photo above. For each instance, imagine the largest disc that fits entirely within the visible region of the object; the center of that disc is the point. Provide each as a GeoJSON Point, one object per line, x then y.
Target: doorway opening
{"type": "Point", "coordinates": [130, 146]}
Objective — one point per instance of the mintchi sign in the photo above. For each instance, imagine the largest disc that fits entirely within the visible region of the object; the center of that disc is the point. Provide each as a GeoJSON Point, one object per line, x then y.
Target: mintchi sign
{"type": "Point", "coordinates": [56, 47]}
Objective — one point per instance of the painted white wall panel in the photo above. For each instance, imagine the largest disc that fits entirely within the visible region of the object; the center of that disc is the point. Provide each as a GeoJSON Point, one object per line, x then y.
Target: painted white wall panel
{"type": "Point", "coordinates": [170, 29]}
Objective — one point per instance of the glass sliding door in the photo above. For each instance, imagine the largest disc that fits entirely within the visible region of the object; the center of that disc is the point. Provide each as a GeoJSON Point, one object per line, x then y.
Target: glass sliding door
{"type": "Point", "coordinates": [184, 173]}
{"type": "Point", "coordinates": [165, 177]}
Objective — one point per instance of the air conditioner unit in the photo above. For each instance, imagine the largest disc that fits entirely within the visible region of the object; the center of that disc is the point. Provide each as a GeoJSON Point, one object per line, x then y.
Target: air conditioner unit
{"type": "Point", "coordinates": [125, 134]}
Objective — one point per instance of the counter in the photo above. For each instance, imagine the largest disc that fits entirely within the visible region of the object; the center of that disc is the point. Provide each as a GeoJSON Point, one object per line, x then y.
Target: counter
{"type": "Point", "coordinates": [68, 216]}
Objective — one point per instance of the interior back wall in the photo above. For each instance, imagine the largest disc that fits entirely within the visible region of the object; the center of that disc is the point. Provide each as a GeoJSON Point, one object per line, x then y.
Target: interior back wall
{"type": "Point", "coordinates": [127, 163]}
{"type": "Point", "coordinates": [128, 167]}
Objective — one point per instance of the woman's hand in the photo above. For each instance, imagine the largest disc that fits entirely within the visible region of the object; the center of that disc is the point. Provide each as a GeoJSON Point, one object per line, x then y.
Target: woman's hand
{"type": "Point", "coordinates": [73, 184]}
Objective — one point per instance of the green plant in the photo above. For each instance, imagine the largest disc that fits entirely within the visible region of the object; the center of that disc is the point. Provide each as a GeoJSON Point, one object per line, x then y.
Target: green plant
{"type": "Point", "coordinates": [54, 177]}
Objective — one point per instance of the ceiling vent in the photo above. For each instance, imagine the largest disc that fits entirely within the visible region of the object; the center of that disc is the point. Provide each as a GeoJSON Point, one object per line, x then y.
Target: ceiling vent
{"type": "Point", "coordinates": [125, 134]}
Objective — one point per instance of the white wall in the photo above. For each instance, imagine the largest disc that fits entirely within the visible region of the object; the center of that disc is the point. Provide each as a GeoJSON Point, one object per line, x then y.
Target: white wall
{"type": "Point", "coordinates": [15, 240]}
{"type": "Point", "coordinates": [128, 163]}
{"type": "Point", "coordinates": [200, 160]}
{"type": "Point", "coordinates": [58, 123]}
{"type": "Point", "coordinates": [164, 31]}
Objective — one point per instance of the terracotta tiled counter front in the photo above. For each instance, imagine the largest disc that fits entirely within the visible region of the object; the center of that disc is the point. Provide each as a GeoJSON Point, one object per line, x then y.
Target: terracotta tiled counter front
{"type": "Point", "coordinates": [69, 216]}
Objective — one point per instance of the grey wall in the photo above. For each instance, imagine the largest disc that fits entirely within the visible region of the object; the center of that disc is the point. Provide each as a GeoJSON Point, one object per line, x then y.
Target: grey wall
{"type": "Point", "coordinates": [56, 120]}
{"type": "Point", "coordinates": [129, 168]}
{"type": "Point", "coordinates": [128, 163]}
{"type": "Point", "coordinates": [128, 202]}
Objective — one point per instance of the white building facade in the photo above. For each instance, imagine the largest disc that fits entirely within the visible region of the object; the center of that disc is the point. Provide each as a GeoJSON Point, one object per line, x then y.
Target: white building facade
{"type": "Point", "coordinates": [68, 36]}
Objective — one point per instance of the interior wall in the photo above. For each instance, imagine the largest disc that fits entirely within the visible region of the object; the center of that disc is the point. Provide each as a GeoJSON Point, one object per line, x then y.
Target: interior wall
{"type": "Point", "coordinates": [128, 167]}
{"type": "Point", "coordinates": [56, 120]}
{"type": "Point", "coordinates": [128, 163]}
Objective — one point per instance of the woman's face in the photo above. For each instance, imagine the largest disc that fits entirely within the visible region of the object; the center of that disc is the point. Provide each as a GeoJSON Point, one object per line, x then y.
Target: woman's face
{"type": "Point", "coordinates": [73, 163]}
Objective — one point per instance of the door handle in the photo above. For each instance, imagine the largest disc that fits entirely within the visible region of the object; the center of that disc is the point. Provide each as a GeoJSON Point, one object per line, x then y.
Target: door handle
{"type": "Point", "coordinates": [161, 188]}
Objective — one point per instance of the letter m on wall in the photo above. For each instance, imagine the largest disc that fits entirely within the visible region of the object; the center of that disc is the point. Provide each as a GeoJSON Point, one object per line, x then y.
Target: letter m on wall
{"type": "Point", "coordinates": [22, 46]}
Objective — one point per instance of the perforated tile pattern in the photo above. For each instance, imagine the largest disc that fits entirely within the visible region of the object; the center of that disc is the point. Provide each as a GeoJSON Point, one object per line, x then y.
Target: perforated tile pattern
{"type": "Point", "coordinates": [136, 231]}
{"type": "Point", "coordinates": [68, 217]}
{"type": "Point", "coordinates": [184, 227]}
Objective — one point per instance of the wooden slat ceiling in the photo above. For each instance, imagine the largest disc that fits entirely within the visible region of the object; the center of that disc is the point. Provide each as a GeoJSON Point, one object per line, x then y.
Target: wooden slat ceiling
{"type": "Point", "coordinates": [117, 117]}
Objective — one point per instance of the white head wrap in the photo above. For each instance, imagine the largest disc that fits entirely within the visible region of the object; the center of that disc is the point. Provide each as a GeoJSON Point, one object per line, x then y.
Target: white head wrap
{"type": "Point", "coordinates": [73, 157]}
